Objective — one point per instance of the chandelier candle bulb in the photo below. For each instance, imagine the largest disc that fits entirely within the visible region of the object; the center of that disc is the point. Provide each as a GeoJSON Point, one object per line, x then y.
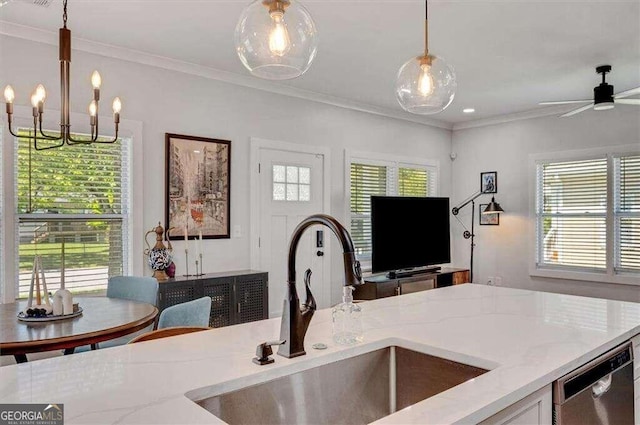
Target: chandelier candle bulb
{"type": "Point", "coordinates": [93, 111]}
{"type": "Point", "coordinates": [96, 82]}
{"type": "Point", "coordinates": [9, 96]}
{"type": "Point", "coordinates": [41, 93]}
{"type": "Point", "coordinates": [35, 103]}
{"type": "Point", "coordinates": [117, 107]}
{"type": "Point", "coordinates": [93, 108]}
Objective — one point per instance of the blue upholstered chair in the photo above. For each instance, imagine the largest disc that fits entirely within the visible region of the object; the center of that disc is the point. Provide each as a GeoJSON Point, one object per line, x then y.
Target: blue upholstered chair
{"type": "Point", "coordinates": [134, 288]}
{"type": "Point", "coordinates": [190, 313]}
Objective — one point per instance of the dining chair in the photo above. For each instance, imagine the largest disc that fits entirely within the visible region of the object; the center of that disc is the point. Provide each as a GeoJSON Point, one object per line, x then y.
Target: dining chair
{"type": "Point", "coordinates": [190, 313]}
{"type": "Point", "coordinates": [134, 288]}
{"type": "Point", "coordinates": [168, 332]}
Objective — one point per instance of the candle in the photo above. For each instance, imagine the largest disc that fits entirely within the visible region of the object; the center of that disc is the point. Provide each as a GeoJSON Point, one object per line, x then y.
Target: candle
{"type": "Point", "coordinates": [199, 242]}
{"type": "Point", "coordinates": [186, 238]}
{"type": "Point", "coordinates": [62, 283]}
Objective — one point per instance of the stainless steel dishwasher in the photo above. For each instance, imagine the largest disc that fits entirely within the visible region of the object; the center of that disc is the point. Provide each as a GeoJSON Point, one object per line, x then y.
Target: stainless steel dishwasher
{"type": "Point", "coordinates": [600, 392]}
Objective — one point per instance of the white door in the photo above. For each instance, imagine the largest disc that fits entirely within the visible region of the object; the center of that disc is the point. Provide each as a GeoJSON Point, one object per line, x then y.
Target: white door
{"type": "Point", "coordinates": [291, 189]}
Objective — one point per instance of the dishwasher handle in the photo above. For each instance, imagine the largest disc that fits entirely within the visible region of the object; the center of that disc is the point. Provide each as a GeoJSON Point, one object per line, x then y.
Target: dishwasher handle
{"type": "Point", "coordinates": [601, 387]}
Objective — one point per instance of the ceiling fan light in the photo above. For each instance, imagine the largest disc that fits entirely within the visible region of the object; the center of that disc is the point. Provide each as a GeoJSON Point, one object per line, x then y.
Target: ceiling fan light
{"type": "Point", "coordinates": [603, 106]}
{"type": "Point", "coordinates": [276, 39]}
{"type": "Point", "coordinates": [410, 85]}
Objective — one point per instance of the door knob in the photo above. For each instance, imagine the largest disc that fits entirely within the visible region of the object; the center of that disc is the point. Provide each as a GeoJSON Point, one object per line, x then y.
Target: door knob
{"type": "Point", "coordinates": [320, 254]}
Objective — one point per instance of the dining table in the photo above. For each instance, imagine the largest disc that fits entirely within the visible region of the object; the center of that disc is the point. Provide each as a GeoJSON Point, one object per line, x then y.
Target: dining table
{"type": "Point", "coordinates": [102, 318]}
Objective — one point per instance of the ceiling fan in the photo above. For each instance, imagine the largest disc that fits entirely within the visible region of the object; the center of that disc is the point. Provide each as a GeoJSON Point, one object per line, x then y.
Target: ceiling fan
{"type": "Point", "coordinates": [603, 97]}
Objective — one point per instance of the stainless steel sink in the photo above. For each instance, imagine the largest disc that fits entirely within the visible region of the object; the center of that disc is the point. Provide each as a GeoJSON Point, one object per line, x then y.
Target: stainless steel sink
{"type": "Point", "coordinates": [356, 390]}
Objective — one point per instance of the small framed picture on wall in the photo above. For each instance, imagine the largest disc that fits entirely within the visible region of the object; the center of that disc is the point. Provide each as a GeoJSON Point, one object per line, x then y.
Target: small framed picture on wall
{"type": "Point", "coordinates": [489, 182]}
{"type": "Point", "coordinates": [492, 219]}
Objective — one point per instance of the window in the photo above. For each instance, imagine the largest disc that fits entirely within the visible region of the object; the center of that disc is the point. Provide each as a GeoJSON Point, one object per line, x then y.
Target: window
{"type": "Point", "coordinates": [574, 210]}
{"type": "Point", "coordinates": [369, 178]}
{"type": "Point", "coordinates": [291, 183]}
{"type": "Point", "coordinates": [627, 214]}
{"type": "Point", "coordinates": [72, 211]}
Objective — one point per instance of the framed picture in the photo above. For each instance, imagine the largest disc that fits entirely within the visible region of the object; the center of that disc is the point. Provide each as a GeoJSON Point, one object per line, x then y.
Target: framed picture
{"type": "Point", "coordinates": [198, 187]}
{"type": "Point", "coordinates": [489, 182]}
{"type": "Point", "coordinates": [492, 219]}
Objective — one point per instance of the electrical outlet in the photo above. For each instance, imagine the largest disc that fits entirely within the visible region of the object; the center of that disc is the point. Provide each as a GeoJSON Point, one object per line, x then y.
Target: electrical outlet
{"type": "Point", "coordinates": [498, 280]}
{"type": "Point", "coordinates": [491, 281]}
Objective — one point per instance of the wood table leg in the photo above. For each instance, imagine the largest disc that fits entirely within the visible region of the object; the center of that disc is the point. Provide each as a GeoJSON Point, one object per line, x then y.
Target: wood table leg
{"type": "Point", "coordinates": [20, 358]}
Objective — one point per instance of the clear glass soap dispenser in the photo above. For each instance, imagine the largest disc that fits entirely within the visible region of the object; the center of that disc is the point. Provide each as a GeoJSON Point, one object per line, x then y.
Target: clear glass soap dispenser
{"type": "Point", "coordinates": [347, 319]}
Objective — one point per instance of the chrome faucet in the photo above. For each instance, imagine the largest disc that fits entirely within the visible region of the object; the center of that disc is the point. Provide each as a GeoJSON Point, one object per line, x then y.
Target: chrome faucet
{"type": "Point", "coordinates": [295, 321]}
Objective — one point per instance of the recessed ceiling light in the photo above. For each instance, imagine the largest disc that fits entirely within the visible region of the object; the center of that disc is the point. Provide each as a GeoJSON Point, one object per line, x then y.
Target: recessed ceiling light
{"type": "Point", "coordinates": [468, 110]}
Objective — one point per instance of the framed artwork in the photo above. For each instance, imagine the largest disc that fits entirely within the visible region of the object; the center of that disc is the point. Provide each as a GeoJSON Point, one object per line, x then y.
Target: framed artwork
{"type": "Point", "coordinates": [489, 182]}
{"type": "Point", "coordinates": [198, 187]}
{"type": "Point", "coordinates": [492, 219]}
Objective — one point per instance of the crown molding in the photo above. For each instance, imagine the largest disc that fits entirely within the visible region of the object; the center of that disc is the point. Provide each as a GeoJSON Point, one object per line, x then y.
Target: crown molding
{"type": "Point", "coordinates": [11, 29]}
{"type": "Point", "coordinates": [518, 116]}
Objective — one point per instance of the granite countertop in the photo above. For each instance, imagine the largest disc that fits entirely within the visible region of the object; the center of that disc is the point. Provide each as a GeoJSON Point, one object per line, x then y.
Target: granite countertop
{"type": "Point", "coordinates": [527, 340]}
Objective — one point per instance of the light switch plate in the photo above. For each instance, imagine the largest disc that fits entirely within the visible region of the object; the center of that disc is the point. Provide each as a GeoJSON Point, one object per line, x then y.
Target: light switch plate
{"type": "Point", "coordinates": [237, 231]}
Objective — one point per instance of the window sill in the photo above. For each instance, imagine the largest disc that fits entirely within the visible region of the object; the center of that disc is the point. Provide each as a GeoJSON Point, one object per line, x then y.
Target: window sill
{"type": "Point", "coordinates": [626, 279]}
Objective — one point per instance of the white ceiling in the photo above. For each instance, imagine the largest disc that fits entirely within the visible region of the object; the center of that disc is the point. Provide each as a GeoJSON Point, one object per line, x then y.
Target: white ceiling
{"type": "Point", "coordinates": [508, 55]}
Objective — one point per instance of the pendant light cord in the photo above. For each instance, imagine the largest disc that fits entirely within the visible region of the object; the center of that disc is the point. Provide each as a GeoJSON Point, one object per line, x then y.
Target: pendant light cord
{"type": "Point", "coordinates": [64, 13]}
{"type": "Point", "coordinates": [426, 28]}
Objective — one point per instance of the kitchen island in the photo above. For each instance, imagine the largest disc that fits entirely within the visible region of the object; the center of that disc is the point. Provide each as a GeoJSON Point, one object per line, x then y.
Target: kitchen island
{"type": "Point", "coordinates": [525, 339]}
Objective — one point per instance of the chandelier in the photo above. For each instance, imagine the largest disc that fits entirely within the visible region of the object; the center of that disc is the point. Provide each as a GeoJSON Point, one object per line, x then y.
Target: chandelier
{"type": "Point", "coordinates": [39, 96]}
{"type": "Point", "coordinates": [426, 84]}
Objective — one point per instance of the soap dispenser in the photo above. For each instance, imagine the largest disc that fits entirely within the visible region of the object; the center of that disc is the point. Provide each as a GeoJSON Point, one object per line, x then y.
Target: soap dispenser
{"type": "Point", "coordinates": [347, 319]}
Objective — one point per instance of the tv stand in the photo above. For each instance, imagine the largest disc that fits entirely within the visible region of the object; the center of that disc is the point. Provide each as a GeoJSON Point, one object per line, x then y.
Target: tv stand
{"type": "Point", "coordinates": [412, 272]}
{"type": "Point", "coordinates": [381, 286]}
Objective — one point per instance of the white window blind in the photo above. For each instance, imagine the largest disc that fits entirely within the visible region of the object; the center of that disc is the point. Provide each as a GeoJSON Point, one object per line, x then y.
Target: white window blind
{"type": "Point", "coordinates": [369, 178]}
{"type": "Point", "coordinates": [72, 208]}
{"type": "Point", "coordinates": [627, 214]}
{"type": "Point", "coordinates": [571, 215]}
{"type": "Point", "coordinates": [581, 225]}
{"type": "Point", "coordinates": [366, 180]}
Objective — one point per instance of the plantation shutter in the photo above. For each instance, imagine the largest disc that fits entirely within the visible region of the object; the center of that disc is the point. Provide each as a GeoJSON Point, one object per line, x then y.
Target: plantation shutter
{"type": "Point", "coordinates": [414, 181]}
{"type": "Point", "coordinates": [366, 180]}
{"type": "Point", "coordinates": [72, 207]}
{"type": "Point", "coordinates": [627, 214]}
{"type": "Point", "coordinates": [571, 212]}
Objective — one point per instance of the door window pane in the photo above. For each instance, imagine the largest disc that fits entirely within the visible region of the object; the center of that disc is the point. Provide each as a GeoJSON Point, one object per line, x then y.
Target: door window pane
{"type": "Point", "coordinates": [291, 183]}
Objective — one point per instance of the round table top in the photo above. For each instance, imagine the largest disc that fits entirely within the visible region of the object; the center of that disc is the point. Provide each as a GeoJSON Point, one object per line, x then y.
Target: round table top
{"type": "Point", "coordinates": [102, 319]}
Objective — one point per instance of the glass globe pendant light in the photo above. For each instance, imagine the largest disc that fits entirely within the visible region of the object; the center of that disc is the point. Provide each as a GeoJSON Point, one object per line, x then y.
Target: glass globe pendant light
{"type": "Point", "coordinates": [426, 84]}
{"type": "Point", "coordinates": [276, 39]}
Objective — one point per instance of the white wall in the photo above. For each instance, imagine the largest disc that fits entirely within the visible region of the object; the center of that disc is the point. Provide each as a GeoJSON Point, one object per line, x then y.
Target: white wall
{"type": "Point", "coordinates": [505, 148]}
{"type": "Point", "coordinates": [167, 101]}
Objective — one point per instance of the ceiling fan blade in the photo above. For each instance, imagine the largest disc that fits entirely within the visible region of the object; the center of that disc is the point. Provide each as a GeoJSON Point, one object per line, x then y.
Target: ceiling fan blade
{"type": "Point", "coordinates": [577, 111]}
{"type": "Point", "coordinates": [627, 93]}
{"type": "Point", "coordinates": [564, 102]}
{"type": "Point", "coordinates": [628, 101]}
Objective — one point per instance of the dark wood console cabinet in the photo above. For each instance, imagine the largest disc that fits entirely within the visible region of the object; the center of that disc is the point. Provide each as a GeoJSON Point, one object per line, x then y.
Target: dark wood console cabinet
{"type": "Point", "coordinates": [236, 297]}
{"type": "Point", "coordinates": [380, 286]}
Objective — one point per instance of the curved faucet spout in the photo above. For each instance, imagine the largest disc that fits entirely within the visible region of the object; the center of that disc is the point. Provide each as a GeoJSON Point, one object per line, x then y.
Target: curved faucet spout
{"type": "Point", "coordinates": [295, 322]}
{"type": "Point", "coordinates": [352, 270]}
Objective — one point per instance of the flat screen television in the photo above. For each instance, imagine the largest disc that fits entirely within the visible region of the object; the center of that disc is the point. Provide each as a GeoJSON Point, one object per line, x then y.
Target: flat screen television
{"type": "Point", "coordinates": [409, 232]}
